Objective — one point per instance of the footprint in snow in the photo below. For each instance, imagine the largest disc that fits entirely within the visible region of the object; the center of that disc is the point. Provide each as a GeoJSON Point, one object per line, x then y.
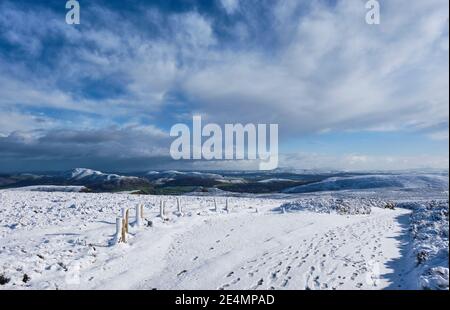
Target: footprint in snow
{"type": "Point", "coordinates": [182, 273]}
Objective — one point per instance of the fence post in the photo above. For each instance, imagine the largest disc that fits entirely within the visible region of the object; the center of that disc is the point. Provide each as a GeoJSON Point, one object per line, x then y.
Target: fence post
{"type": "Point", "coordinates": [138, 215]}
{"type": "Point", "coordinates": [123, 233]}
{"type": "Point", "coordinates": [162, 206]}
{"type": "Point", "coordinates": [215, 205]}
{"type": "Point", "coordinates": [226, 205]}
{"type": "Point", "coordinates": [119, 228]}
{"type": "Point", "coordinates": [180, 210]}
{"type": "Point", "coordinates": [125, 218]}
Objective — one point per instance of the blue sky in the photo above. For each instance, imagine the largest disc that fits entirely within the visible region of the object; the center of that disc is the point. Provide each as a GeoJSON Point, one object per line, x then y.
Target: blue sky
{"type": "Point", "coordinates": [104, 94]}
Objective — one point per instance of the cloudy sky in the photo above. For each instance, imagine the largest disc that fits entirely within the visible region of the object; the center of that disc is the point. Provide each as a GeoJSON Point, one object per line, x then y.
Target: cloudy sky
{"type": "Point", "coordinates": [104, 94]}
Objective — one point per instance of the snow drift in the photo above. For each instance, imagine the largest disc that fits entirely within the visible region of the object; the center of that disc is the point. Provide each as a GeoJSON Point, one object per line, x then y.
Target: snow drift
{"type": "Point", "coordinates": [333, 205]}
{"type": "Point", "coordinates": [429, 229]}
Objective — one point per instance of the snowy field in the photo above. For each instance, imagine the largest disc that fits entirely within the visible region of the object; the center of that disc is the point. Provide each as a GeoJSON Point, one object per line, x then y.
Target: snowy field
{"type": "Point", "coordinates": [62, 240]}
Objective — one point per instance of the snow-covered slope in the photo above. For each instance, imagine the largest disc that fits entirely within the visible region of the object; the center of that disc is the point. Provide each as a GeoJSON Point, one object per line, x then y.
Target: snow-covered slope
{"type": "Point", "coordinates": [92, 179]}
{"type": "Point", "coordinates": [275, 180]}
{"type": "Point", "coordinates": [62, 241]}
{"type": "Point", "coordinates": [342, 239]}
{"type": "Point", "coordinates": [175, 173]}
{"type": "Point", "coordinates": [162, 177]}
{"type": "Point", "coordinates": [430, 233]}
{"type": "Point", "coordinates": [91, 176]}
{"type": "Point", "coordinates": [393, 181]}
{"type": "Point", "coordinates": [102, 181]}
{"type": "Point", "coordinates": [329, 204]}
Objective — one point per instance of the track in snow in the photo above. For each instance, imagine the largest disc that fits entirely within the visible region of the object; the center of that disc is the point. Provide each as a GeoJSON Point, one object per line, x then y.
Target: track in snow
{"type": "Point", "coordinates": [293, 251]}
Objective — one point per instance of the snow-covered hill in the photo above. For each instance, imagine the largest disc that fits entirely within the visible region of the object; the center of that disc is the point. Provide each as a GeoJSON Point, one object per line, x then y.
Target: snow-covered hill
{"type": "Point", "coordinates": [92, 179]}
{"type": "Point", "coordinates": [190, 178]}
{"type": "Point", "coordinates": [97, 180]}
{"type": "Point", "coordinates": [275, 180]}
{"type": "Point", "coordinates": [63, 241]}
{"type": "Point", "coordinates": [93, 176]}
{"type": "Point", "coordinates": [433, 182]}
{"type": "Point", "coordinates": [430, 234]}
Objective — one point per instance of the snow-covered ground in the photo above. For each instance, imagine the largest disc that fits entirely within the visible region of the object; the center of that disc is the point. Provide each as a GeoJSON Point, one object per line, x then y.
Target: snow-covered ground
{"type": "Point", "coordinates": [62, 240]}
{"type": "Point", "coordinates": [429, 228]}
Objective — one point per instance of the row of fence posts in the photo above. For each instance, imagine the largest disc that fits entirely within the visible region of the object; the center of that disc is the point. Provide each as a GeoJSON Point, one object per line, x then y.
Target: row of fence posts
{"type": "Point", "coordinates": [123, 221]}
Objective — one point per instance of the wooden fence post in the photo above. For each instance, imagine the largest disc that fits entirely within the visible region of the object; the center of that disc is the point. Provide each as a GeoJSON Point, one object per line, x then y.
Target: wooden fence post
{"type": "Point", "coordinates": [123, 233]}
{"type": "Point", "coordinates": [215, 205]}
{"type": "Point", "coordinates": [179, 207]}
{"type": "Point", "coordinates": [138, 215]}
{"type": "Point", "coordinates": [161, 209]}
{"type": "Point", "coordinates": [125, 218]}
{"type": "Point", "coordinates": [119, 228]}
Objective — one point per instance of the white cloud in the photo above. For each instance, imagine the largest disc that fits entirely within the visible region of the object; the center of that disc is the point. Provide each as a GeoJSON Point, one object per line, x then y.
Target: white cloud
{"type": "Point", "coordinates": [145, 69]}
{"type": "Point", "coordinates": [230, 6]}
{"type": "Point", "coordinates": [358, 162]}
{"type": "Point", "coordinates": [13, 120]}
{"type": "Point", "coordinates": [129, 141]}
{"type": "Point", "coordinates": [338, 73]}
{"type": "Point", "coordinates": [306, 65]}
{"type": "Point", "coordinates": [439, 135]}
{"type": "Point", "coordinates": [329, 70]}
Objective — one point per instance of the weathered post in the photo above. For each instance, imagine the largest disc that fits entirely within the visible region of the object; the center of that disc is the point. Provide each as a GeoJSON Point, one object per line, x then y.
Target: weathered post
{"type": "Point", "coordinates": [125, 218]}
{"type": "Point", "coordinates": [138, 215]}
{"type": "Point", "coordinates": [123, 233]}
{"type": "Point", "coordinates": [119, 228]}
{"type": "Point", "coordinates": [226, 205]}
{"type": "Point", "coordinates": [162, 208]}
{"type": "Point", "coordinates": [180, 209]}
{"type": "Point", "coordinates": [215, 205]}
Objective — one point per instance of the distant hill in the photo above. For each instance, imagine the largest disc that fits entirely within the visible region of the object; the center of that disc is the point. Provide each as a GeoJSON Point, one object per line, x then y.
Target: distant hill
{"type": "Point", "coordinates": [91, 179]}
{"type": "Point", "coordinates": [393, 181]}
{"type": "Point", "coordinates": [173, 182]}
